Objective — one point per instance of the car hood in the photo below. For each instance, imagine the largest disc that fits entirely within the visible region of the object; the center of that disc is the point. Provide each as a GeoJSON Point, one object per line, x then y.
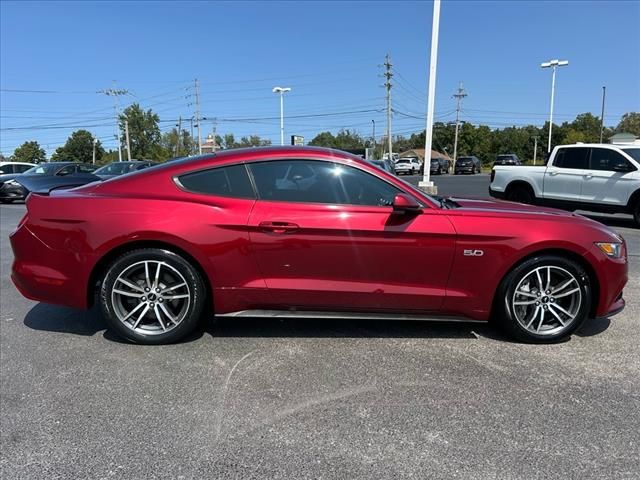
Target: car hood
{"type": "Point", "coordinates": [479, 205]}
{"type": "Point", "coordinates": [5, 177]}
{"type": "Point", "coordinates": [46, 183]}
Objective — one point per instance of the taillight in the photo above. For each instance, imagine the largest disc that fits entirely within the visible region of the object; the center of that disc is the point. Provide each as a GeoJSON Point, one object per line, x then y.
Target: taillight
{"type": "Point", "coordinates": [493, 174]}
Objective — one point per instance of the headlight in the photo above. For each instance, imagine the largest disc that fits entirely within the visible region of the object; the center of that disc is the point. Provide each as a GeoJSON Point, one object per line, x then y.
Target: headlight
{"type": "Point", "coordinates": [12, 183]}
{"type": "Point", "coordinates": [610, 249]}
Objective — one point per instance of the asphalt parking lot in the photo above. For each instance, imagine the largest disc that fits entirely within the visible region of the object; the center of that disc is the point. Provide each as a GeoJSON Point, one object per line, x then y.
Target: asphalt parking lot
{"type": "Point", "coordinates": [317, 399]}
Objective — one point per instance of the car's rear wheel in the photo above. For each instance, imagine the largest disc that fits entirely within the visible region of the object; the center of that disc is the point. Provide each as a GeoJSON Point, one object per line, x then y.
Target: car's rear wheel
{"type": "Point", "coordinates": [636, 213]}
{"type": "Point", "coordinates": [544, 299]}
{"type": "Point", "coordinates": [152, 296]}
{"type": "Point", "coordinates": [6, 200]}
{"type": "Point", "coordinates": [520, 194]}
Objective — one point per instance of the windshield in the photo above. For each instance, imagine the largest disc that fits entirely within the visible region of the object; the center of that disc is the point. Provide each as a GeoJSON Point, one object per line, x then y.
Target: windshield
{"type": "Point", "coordinates": [633, 153]}
{"type": "Point", "coordinates": [505, 157]}
{"type": "Point", "coordinates": [464, 161]}
{"type": "Point", "coordinates": [46, 169]}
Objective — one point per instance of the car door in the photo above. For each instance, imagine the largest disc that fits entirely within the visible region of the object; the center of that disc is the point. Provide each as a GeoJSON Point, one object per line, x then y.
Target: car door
{"type": "Point", "coordinates": [335, 243]}
{"type": "Point", "coordinates": [563, 179]}
{"type": "Point", "coordinates": [610, 178]}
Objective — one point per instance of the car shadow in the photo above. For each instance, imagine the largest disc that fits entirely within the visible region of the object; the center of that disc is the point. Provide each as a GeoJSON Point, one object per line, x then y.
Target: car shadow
{"type": "Point", "coordinates": [349, 328]}
{"type": "Point", "coordinates": [53, 318]}
{"type": "Point", "coordinates": [593, 327]}
{"type": "Point", "coordinates": [57, 319]}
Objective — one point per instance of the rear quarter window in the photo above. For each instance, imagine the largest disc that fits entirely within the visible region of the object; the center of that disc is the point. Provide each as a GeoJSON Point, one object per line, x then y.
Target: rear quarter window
{"type": "Point", "coordinates": [231, 181]}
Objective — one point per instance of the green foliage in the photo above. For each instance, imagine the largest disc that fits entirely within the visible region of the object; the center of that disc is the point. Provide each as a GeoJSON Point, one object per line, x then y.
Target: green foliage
{"type": "Point", "coordinates": [144, 132]}
{"type": "Point", "coordinates": [79, 148]}
{"type": "Point", "coordinates": [344, 140]}
{"type": "Point", "coordinates": [29, 152]}
{"type": "Point", "coordinates": [630, 123]}
{"type": "Point", "coordinates": [229, 141]}
{"type": "Point", "coordinates": [169, 145]}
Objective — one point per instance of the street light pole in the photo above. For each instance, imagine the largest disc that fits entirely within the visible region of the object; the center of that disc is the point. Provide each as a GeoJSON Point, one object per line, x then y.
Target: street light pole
{"type": "Point", "coordinates": [281, 91]}
{"type": "Point", "coordinates": [93, 156]}
{"type": "Point", "coordinates": [426, 184]}
{"type": "Point", "coordinates": [553, 64]}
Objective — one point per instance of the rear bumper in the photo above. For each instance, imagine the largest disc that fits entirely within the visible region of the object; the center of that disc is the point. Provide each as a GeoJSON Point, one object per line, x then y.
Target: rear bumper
{"type": "Point", "coordinates": [496, 194]}
{"type": "Point", "coordinates": [46, 275]}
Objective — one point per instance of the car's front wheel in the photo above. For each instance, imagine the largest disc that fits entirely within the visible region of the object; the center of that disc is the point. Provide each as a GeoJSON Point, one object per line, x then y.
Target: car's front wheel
{"type": "Point", "coordinates": [152, 296]}
{"type": "Point", "coordinates": [544, 299]}
{"type": "Point", "coordinates": [636, 213]}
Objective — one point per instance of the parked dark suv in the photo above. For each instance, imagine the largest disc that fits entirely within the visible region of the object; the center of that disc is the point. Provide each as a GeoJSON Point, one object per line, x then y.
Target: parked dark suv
{"type": "Point", "coordinates": [439, 166]}
{"type": "Point", "coordinates": [507, 159]}
{"type": "Point", "coordinates": [467, 165]}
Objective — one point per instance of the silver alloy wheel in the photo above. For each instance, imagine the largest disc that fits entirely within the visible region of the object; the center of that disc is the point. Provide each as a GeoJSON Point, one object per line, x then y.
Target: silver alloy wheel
{"type": "Point", "coordinates": [151, 297]}
{"type": "Point", "coordinates": [547, 300]}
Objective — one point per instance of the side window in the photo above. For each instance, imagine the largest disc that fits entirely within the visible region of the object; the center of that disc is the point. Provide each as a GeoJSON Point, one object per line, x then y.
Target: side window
{"type": "Point", "coordinates": [231, 181]}
{"type": "Point", "coordinates": [314, 181]}
{"type": "Point", "coordinates": [605, 159]}
{"type": "Point", "coordinates": [82, 168]}
{"type": "Point", "coordinates": [66, 170]}
{"type": "Point", "coordinates": [21, 168]}
{"type": "Point", "coordinates": [576, 158]}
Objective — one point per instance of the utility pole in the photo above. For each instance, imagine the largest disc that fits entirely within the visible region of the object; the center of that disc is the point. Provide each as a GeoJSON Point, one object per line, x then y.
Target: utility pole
{"type": "Point", "coordinates": [179, 135]}
{"type": "Point", "coordinates": [215, 128]}
{"type": "Point", "coordinates": [388, 85]}
{"type": "Point", "coordinates": [197, 87]}
{"type": "Point", "coordinates": [126, 136]}
{"type": "Point", "coordinates": [535, 148]}
{"type": "Point", "coordinates": [374, 138]}
{"type": "Point", "coordinates": [426, 184]}
{"type": "Point", "coordinates": [93, 156]}
{"type": "Point", "coordinates": [604, 92]}
{"type": "Point", "coordinates": [458, 96]}
{"type": "Point", "coordinates": [115, 93]}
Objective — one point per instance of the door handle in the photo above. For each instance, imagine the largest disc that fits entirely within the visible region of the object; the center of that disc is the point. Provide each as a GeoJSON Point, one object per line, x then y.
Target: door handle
{"type": "Point", "coordinates": [588, 176]}
{"type": "Point", "coordinates": [553, 172]}
{"type": "Point", "coordinates": [278, 227]}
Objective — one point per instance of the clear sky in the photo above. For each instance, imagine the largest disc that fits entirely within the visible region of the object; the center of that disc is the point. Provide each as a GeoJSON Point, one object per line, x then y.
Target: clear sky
{"type": "Point", "coordinates": [329, 53]}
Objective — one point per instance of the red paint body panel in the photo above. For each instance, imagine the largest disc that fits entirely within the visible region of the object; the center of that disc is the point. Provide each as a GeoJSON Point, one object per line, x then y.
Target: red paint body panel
{"type": "Point", "coordinates": [282, 255]}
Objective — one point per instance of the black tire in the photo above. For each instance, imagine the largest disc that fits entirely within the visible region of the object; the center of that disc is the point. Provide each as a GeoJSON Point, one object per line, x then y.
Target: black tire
{"type": "Point", "coordinates": [6, 200]}
{"type": "Point", "coordinates": [636, 213]}
{"type": "Point", "coordinates": [520, 194]}
{"type": "Point", "coordinates": [187, 310]}
{"type": "Point", "coordinates": [439, 171]}
{"type": "Point", "coordinates": [513, 322]}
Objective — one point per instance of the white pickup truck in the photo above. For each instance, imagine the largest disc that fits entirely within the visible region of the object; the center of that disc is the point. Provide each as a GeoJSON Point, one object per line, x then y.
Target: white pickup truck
{"type": "Point", "coordinates": [593, 177]}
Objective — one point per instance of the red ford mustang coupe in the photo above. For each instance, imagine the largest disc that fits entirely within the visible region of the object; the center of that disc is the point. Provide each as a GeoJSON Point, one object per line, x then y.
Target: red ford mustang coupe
{"type": "Point", "coordinates": [294, 231]}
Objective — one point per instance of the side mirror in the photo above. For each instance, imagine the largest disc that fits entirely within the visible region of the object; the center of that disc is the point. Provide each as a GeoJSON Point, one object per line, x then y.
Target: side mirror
{"type": "Point", "coordinates": [622, 167]}
{"type": "Point", "coordinates": [403, 203]}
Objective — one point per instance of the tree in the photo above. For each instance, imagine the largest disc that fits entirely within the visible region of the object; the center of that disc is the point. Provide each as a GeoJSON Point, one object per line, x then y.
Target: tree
{"type": "Point", "coordinates": [324, 139]}
{"type": "Point", "coordinates": [144, 132]}
{"type": "Point", "coordinates": [344, 140]}
{"type": "Point", "coordinates": [585, 126]}
{"type": "Point", "coordinates": [253, 141]}
{"type": "Point", "coordinates": [78, 148]}
{"type": "Point", "coordinates": [169, 143]}
{"type": "Point", "coordinates": [29, 152]}
{"type": "Point", "coordinates": [630, 123]}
